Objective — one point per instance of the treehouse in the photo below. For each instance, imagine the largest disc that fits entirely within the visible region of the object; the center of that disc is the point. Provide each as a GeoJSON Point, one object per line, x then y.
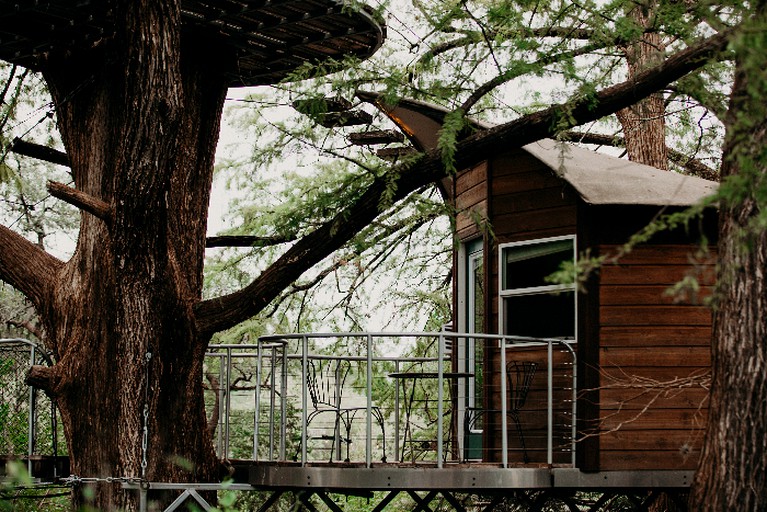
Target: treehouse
{"type": "Point", "coordinates": [630, 329]}
{"type": "Point", "coordinates": [575, 360]}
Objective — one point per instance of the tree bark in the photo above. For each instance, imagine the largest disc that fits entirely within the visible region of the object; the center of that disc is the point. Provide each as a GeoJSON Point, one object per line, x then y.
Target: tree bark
{"type": "Point", "coordinates": [732, 473]}
{"type": "Point", "coordinates": [139, 119]}
{"type": "Point", "coordinates": [643, 123]}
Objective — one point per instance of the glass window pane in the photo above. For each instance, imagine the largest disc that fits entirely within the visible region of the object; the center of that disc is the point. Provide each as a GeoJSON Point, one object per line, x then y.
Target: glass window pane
{"type": "Point", "coordinates": [544, 315]}
{"type": "Point", "coordinates": [527, 266]}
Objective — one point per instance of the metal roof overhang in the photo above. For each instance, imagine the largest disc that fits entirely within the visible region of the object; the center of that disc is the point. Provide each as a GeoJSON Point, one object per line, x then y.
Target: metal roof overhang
{"type": "Point", "coordinates": [599, 179]}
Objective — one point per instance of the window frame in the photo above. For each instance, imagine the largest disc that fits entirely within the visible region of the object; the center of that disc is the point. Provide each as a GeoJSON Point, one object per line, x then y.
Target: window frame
{"type": "Point", "coordinates": [532, 290]}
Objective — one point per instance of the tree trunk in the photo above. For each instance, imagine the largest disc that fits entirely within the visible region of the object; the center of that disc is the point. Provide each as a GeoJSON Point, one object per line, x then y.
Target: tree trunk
{"type": "Point", "coordinates": [732, 473]}
{"type": "Point", "coordinates": [140, 120]}
{"type": "Point", "coordinates": [643, 123]}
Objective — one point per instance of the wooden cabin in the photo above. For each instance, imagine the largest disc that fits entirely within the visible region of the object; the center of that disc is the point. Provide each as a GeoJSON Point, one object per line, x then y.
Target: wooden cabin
{"type": "Point", "coordinates": [640, 338]}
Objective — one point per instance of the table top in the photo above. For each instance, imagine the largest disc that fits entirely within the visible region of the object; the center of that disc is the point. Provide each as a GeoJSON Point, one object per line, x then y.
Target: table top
{"type": "Point", "coordinates": [430, 375]}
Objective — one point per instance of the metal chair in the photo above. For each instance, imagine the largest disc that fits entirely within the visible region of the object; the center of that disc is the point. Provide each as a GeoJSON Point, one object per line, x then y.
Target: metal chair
{"type": "Point", "coordinates": [325, 382]}
{"type": "Point", "coordinates": [519, 377]}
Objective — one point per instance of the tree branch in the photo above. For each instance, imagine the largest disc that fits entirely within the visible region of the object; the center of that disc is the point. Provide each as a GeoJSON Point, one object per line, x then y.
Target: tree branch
{"type": "Point", "coordinates": [27, 267]}
{"type": "Point", "coordinates": [224, 312]}
{"type": "Point", "coordinates": [81, 200]}
{"type": "Point", "coordinates": [511, 74]}
{"type": "Point", "coordinates": [26, 325]}
{"type": "Point", "coordinates": [475, 37]}
{"type": "Point", "coordinates": [246, 241]}
{"type": "Point", "coordinates": [40, 152]}
{"type": "Point", "coordinates": [45, 378]}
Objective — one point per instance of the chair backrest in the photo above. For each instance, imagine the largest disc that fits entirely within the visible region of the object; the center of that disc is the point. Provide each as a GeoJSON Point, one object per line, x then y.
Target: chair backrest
{"type": "Point", "coordinates": [519, 376]}
{"type": "Point", "coordinates": [325, 379]}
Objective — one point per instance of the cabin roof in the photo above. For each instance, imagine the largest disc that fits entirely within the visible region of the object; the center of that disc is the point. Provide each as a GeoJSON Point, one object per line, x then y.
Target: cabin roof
{"type": "Point", "coordinates": [605, 179]}
{"type": "Point", "coordinates": [598, 178]}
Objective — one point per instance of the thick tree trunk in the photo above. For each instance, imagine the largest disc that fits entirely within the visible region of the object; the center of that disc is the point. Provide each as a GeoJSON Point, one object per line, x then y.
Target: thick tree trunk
{"type": "Point", "coordinates": [140, 122]}
{"type": "Point", "coordinates": [643, 123]}
{"type": "Point", "coordinates": [732, 473]}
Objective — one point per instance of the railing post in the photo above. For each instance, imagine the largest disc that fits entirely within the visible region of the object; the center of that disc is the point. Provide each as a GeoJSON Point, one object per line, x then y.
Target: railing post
{"type": "Point", "coordinates": [284, 402]}
{"type": "Point", "coordinates": [440, 397]}
{"type": "Point", "coordinates": [396, 412]}
{"type": "Point", "coordinates": [228, 402]}
{"type": "Point", "coordinates": [304, 404]}
{"type": "Point", "coordinates": [272, 391]}
{"type": "Point", "coordinates": [504, 420]}
{"type": "Point", "coordinates": [32, 415]}
{"type": "Point", "coordinates": [257, 412]}
{"type": "Point", "coordinates": [220, 391]}
{"type": "Point", "coordinates": [369, 416]}
{"type": "Point", "coordinates": [550, 404]}
{"type": "Point", "coordinates": [573, 426]}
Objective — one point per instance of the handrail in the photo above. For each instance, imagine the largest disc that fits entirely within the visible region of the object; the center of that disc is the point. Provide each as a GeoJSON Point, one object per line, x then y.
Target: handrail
{"type": "Point", "coordinates": [275, 352]}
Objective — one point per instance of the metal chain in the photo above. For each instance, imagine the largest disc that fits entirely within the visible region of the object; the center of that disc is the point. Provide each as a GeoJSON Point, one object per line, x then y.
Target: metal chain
{"type": "Point", "coordinates": [74, 480]}
{"type": "Point", "coordinates": [145, 434]}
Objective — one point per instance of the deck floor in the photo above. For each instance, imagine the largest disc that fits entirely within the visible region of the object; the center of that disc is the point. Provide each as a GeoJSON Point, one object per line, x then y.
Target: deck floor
{"type": "Point", "coordinates": [453, 476]}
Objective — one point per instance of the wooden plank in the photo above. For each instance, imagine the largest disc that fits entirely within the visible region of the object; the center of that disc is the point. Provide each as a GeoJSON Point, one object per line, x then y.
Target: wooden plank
{"type": "Point", "coordinates": [623, 460]}
{"type": "Point", "coordinates": [647, 274]}
{"type": "Point", "coordinates": [470, 197]}
{"type": "Point", "coordinates": [524, 181]}
{"type": "Point", "coordinates": [524, 235]}
{"type": "Point", "coordinates": [467, 232]}
{"type": "Point", "coordinates": [640, 357]}
{"type": "Point", "coordinates": [654, 419]}
{"type": "Point", "coordinates": [680, 440]}
{"type": "Point", "coordinates": [468, 219]}
{"type": "Point", "coordinates": [517, 161]}
{"type": "Point", "coordinates": [530, 200]}
{"type": "Point", "coordinates": [471, 178]}
{"type": "Point", "coordinates": [640, 336]}
{"type": "Point", "coordinates": [614, 295]}
{"type": "Point", "coordinates": [655, 315]}
{"type": "Point", "coordinates": [653, 376]}
{"type": "Point", "coordinates": [560, 219]}
{"type": "Point", "coordinates": [665, 254]}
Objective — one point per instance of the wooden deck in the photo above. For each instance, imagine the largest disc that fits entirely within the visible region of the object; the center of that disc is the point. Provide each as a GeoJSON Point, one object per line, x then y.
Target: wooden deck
{"type": "Point", "coordinates": [350, 478]}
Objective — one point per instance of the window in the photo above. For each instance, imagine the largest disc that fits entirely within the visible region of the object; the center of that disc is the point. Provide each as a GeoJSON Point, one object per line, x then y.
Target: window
{"type": "Point", "coordinates": [476, 323]}
{"type": "Point", "coordinates": [532, 305]}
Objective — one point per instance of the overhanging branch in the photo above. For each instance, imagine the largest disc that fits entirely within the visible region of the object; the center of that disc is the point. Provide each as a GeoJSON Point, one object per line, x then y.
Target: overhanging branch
{"type": "Point", "coordinates": [225, 312]}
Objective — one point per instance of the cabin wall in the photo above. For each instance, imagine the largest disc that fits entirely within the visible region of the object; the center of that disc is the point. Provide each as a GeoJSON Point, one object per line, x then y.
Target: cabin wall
{"type": "Point", "coordinates": [471, 193]}
{"type": "Point", "coordinates": [643, 355]}
{"type": "Point", "coordinates": [654, 357]}
{"type": "Point", "coordinates": [527, 202]}
{"type": "Point", "coordinates": [524, 200]}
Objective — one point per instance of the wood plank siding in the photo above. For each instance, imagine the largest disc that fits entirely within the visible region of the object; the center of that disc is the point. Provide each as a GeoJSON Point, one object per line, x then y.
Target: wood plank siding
{"type": "Point", "coordinates": [533, 416]}
{"type": "Point", "coordinates": [526, 201]}
{"type": "Point", "coordinates": [654, 356]}
{"type": "Point", "coordinates": [470, 191]}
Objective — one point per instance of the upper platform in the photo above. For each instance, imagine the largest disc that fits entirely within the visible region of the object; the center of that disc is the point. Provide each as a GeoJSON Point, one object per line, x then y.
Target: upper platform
{"type": "Point", "coordinates": [270, 38]}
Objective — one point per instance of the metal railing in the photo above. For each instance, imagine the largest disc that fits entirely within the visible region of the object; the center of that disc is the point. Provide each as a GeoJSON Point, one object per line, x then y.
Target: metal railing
{"type": "Point", "coordinates": [28, 419]}
{"type": "Point", "coordinates": [281, 403]}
